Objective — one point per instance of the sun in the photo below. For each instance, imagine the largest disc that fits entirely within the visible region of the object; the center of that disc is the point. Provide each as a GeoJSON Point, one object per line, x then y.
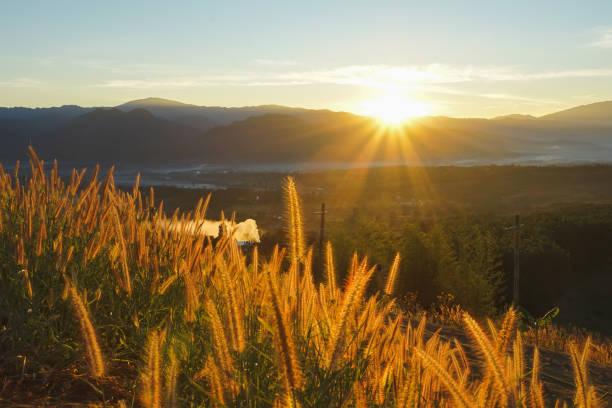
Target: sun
{"type": "Point", "coordinates": [394, 110]}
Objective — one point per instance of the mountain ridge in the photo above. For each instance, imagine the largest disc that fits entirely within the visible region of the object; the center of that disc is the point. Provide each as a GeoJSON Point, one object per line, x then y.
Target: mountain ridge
{"type": "Point", "coordinates": [156, 130]}
{"type": "Point", "coordinates": [112, 135]}
{"type": "Point", "coordinates": [592, 112]}
{"type": "Point", "coordinates": [603, 109]}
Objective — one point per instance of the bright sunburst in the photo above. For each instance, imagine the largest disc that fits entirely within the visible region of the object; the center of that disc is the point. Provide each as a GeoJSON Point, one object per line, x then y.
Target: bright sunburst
{"type": "Point", "coordinates": [393, 110]}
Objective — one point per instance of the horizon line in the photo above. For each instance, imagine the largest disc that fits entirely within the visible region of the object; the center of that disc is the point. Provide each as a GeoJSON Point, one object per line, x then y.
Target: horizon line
{"type": "Point", "coordinates": [297, 107]}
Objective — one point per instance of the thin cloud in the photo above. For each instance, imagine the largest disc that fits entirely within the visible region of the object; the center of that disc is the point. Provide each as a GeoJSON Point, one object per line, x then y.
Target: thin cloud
{"type": "Point", "coordinates": [376, 76]}
{"type": "Point", "coordinates": [146, 84]}
{"type": "Point", "coordinates": [21, 83]}
{"type": "Point", "coordinates": [275, 62]}
{"type": "Point", "coordinates": [577, 73]}
{"type": "Point", "coordinates": [604, 38]}
{"type": "Point", "coordinates": [133, 68]}
{"type": "Point", "coordinates": [180, 82]}
{"type": "Point", "coordinates": [518, 98]}
{"type": "Point", "coordinates": [384, 75]}
{"type": "Point", "coordinates": [494, 96]}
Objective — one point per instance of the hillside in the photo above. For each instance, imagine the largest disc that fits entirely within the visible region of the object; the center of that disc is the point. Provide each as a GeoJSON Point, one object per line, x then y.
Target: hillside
{"type": "Point", "coordinates": [203, 117]}
{"type": "Point", "coordinates": [183, 113]}
{"type": "Point", "coordinates": [20, 126]}
{"type": "Point", "coordinates": [338, 137]}
{"type": "Point", "coordinates": [287, 139]}
{"type": "Point", "coordinates": [112, 292]}
{"type": "Point", "coordinates": [599, 113]}
{"type": "Point", "coordinates": [174, 132]}
{"type": "Point", "coordinates": [110, 135]}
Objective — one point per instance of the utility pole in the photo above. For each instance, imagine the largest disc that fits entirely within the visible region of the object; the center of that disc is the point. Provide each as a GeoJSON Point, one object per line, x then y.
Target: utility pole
{"type": "Point", "coordinates": [516, 228]}
{"type": "Point", "coordinates": [319, 262]}
{"type": "Point", "coordinates": [322, 231]}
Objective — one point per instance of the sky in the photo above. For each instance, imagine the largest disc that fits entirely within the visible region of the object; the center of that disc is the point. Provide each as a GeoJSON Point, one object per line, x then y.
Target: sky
{"type": "Point", "coordinates": [457, 58]}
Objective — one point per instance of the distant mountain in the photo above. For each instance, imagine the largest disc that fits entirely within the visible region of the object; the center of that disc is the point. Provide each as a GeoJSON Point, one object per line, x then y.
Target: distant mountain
{"type": "Point", "coordinates": [19, 126]}
{"type": "Point", "coordinates": [111, 135]}
{"type": "Point", "coordinates": [205, 117]}
{"type": "Point", "coordinates": [283, 138]}
{"type": "Point", "coordinates": [162, 132]}
{"type": "Point", "coordinates": [515, 116]}
{"type": "Point", "coordinates": [341, 137]}
{"type": "Point", "coordinates": [344, 137]}
{"type": "Point", "coordinates": [66, 112]}
{"type": "Point", "coordinates": [184, 113]}
{"type": "Point", "coordinates": [154, 102]}
{"type": "Point", "coordinates": [594, 113]}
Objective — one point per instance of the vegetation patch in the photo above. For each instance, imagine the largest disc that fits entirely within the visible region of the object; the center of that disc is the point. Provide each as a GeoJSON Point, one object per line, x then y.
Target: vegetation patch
{"type": "Point", "coordinates": [101, 302]}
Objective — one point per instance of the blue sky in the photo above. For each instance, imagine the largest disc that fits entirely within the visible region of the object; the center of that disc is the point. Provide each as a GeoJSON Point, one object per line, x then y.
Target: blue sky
{"type": "Point", "coordinates": [459, 58]}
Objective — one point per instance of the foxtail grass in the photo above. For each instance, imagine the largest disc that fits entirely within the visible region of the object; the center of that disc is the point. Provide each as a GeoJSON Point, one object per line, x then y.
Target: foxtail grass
{"type": "Point", "coordinates": [150, 378]}
{"type": "Point", "coordinates": [392, 276]}
{"type": "Point", "coordinates": [237, 328]}
{"type": "Point", "coordinates": [289, 366]}
{"type": "Point", "coordinates": [295, 229]}
{"type": "Point", "coordinates": [90, 338]}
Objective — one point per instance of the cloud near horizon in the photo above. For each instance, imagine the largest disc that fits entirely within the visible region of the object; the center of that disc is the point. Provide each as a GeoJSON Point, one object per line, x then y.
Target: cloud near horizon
{"type": "Point", "coordinates": [275, 62]}
{"type": "Point", "coordinates": [21, 83]}
{"type": "Point", "coordinates": [375, 76]}
{"type": "Point", "coordinates": [604, 38]}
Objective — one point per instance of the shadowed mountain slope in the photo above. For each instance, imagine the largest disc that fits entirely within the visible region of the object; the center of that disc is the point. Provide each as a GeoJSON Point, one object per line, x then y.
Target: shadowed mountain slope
{"type": "Point", "coordinates": [596, 113]}
{"type": "Point", "coordinates": [161, 131]}
{"type": "Point", "coordinates": [110, 135]}
{"type": "Point", "coordinates": [203, 117]}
